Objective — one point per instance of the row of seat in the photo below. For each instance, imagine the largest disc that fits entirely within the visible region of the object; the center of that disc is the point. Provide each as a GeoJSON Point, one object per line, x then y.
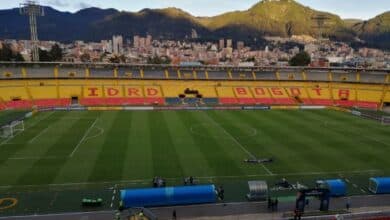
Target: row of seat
{"type": "Point", "coordinates": [25, 104]}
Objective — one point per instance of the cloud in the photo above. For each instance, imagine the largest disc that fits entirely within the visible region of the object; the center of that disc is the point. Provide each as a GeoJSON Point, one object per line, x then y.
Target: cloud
{"type": "Point", "coordinates": [82, 5]}
{"type": "Point", "coordinates": [57, 3]}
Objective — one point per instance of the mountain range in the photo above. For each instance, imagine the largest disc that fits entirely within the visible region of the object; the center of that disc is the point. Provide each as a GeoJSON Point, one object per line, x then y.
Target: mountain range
{"type": "Point", "coordinates": [266, 18]}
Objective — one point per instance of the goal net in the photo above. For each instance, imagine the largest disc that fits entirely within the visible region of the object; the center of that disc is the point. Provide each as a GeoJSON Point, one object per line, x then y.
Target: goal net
{"type": "Point", "coordinates": [11, 129]}
{"type": "Point", "coordinates": [385, 120]}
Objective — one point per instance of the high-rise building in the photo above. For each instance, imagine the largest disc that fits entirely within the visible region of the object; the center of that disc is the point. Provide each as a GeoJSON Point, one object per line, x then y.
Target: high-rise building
{"type": "Point", "coordinates": [107, 45]}
{"type": "Point", "coordinates": [117, 44]}
{"type": "Point", "coordinates": [240, 45]}
{"type": "Point", "coordinates": [229, 43]}
{"type": "Point", "coordinates": [136, 41]}
{"type": "Point", "coordinates": [142, 42]}
{"type": "Point", "coordinates": [221, 43]}
{"type": "Point", "coordinates": [194, 34]}
{"type": "Point", "coordinates": [148, 41]}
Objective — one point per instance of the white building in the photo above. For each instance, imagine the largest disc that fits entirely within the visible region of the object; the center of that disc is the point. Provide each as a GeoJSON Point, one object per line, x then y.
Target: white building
{"type": "Point", "coordinates": [117, 44]}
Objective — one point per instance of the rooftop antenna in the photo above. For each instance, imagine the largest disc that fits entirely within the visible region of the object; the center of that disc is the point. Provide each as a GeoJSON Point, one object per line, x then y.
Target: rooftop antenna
{"type": "Point", "coordinates": [33, 9]}
{"type": "Point", "coordinates": [320, 20]}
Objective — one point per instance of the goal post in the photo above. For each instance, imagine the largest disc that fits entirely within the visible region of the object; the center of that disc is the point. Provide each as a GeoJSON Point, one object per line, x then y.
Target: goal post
{"type": "Point", "coordinates": [11, 129]}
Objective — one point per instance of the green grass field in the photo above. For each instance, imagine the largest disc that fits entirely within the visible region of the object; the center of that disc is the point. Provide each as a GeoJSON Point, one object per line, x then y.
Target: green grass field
{"type": "Point", "coordinates": [96, 150]}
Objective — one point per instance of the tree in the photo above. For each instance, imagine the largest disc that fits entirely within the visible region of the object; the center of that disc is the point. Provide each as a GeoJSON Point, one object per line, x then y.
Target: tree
{"type": "Point", "coordinates": [56, 53]}
{"type": "Point", "coordinates": [300, 59]}
{"type": "Point", "coordinates": [6, 54]}
{"type": "Point", "coordinates": [44, 56]}
{"type": "Point", "coordinates": [159, 60]}
{"type": "Point", "coordinates": [85, 57]}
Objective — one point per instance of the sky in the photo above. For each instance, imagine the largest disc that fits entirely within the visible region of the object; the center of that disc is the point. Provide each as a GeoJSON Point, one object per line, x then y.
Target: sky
{"type": "Point", "coordinates": [361, 9]}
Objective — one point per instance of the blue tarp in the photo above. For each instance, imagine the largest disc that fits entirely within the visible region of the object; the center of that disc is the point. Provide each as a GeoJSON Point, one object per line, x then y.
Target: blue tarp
{"type": "Point", "coordinates": [380, 185]}
{"type": "Point", "coordinates": [181, 195]}
{"type": "Point", "coordinates": [337, 187]}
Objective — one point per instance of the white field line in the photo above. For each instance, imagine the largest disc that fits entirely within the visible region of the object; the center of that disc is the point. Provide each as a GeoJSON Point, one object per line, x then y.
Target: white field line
{"type": "Point", "coordinates": [35, 158]}
{"type": "Point", "coordinates": [44, 216]}
{"type": "Point", "coordinates": [137, 181]}
{"type": "Point", "coordinates": [31, 125]}
{"type": "Point", "coordinates": [101, 131]}
{"type": "Point", "coordinates": [239, 144]}
{"type": "Point", "coordinates": [38, 135]}
{"type": "Point", "coordinates": [83, 138]}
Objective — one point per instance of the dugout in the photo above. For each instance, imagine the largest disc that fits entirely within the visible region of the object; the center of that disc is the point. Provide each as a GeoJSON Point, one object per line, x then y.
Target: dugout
{"type": "Point", "coordinates": [379, 185]}
{"type": "Point", "coordinates": [336, 187]}
{"type": "Point", "coordinates": [258, 190]}
{"type": "Point", "coordinates": [165, 196]}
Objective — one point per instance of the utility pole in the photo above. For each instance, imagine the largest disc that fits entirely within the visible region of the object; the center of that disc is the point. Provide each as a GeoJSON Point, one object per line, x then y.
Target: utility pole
{"type": "Point", "coordinates": [33, 9]}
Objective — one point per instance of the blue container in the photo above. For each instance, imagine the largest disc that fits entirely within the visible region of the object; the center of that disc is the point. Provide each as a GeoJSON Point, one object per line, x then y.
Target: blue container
{"type": "Point", "coordinates": [379, 185]}
{"type": "Point", "coordinates": [337, 187]}
{"type": "Point", "coordinates": [180, 195]}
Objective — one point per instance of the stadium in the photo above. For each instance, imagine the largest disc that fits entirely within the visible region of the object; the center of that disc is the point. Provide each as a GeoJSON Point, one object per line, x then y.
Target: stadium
{"type": "Point", "coordinates": [85, 131]}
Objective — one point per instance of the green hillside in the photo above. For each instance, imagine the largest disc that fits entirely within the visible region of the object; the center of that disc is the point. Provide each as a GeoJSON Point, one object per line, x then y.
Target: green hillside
{"type": "Point", "coordinates": [375, 31]}
{"type": "Point", "coordinates": [283, 18]}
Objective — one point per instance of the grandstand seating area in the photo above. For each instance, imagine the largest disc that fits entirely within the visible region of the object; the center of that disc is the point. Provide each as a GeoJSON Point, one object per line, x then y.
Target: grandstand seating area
{"type": "Point", "coordinates": [126, 86]}
{"type": "Point", "coordinates": [25, 93]}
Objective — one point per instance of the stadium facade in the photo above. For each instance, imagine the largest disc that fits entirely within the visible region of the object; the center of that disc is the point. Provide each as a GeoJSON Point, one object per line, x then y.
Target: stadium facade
{"type": "Point", "coordinates": [25, 85]}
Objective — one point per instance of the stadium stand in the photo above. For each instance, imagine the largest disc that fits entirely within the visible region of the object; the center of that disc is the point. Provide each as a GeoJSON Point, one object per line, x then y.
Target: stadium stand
{"type": "Point", "coordinates": [265, 75]}
{"type": "Point", "coordinates": [63, 85]}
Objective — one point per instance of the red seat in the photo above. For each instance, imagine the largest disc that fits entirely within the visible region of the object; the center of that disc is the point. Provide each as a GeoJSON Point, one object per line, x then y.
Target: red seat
{"type": "Point", "coordinates": [345, 103]}
{"type": "Point", "coordinates": [20, 104]}
{"type": "Point", "coordinates": [326, 102]}
{"type": "Point", "coordinates": [93, 101]}
{"type": "Point", "coordinates": [52, 102]}
{"type": "Point", "coordinates": [307, 102]}
{"type": "Point", "coordinates": [228, 100]}
{"type": "Point", "coordinates": [284, 101]}
{"type": "Point", "coordinates": [248, 101]}
{"type": "Point", "coordinates": [372, 105]}
{"type": "Point", "coordinates": [152, 101]}
{"type": "Point", "coordinates": [264, 101]}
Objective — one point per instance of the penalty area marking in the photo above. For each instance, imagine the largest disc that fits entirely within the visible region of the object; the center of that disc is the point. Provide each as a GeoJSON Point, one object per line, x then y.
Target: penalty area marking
{"type": "Point", "coordinates": [101, 131]}
{"type": "Point", "coordinates": [38, 135]}
{"type": "Point", "coordinates": [83, 138]}
{"type": "Point", "coordinates": [238, 144]}
{"type": "Point", "coordinates": [31, 125]}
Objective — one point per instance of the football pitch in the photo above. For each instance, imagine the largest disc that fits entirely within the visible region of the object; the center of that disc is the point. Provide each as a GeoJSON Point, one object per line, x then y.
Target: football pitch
{"type": "Point", "coordinates": [92, 149]}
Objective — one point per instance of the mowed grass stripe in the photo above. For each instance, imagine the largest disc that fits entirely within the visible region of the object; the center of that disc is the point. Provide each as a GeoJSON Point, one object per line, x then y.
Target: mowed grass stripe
{"type": "Point", "coordinates": [287, 144]}
{"type": "Point", "coordinates": [265, 143]}
{"type": "Point", "coordinates": [225, 154]}
{"type": "Point", "coordinates": [347, 119]}
{"type": "Point", "coordinates": [360, 125]}
{"type": "Point", "coordinates": [20, 142]}
{"type": "Point", "coordinates": [11, 170]}
{"type": "Point", "coordinates": [212, 146]}
{"type": "Point", "coordinates": [45, 170]}
{"type": "Point", "coordinates": [165, 158]}
{"type": "Point", "coordinates": [355, 144]}
{"type": "Point", "coordinates": [193, 161]}
{"type": "Point", "coordinates": [85, 157]}
{"type": "Point", "coordinates": [236, 131]}
{"type": "Point", "coordinates": [327, 152]}
{"type": "Point", "coordinates": [139, 150]}
{"type": "Point", "coordinates": [109, 165]}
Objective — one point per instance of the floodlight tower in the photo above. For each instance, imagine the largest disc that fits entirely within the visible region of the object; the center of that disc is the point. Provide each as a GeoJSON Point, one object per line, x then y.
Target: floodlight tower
{"type": "Point", "coordinates": [320, 19]}
{"type": "Point", "coordinates": [32, 9]}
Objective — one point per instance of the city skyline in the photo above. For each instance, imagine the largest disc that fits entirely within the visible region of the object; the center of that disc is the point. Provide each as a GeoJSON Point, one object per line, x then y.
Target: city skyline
{"type": "Point", "coordinates": [359, 9]}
